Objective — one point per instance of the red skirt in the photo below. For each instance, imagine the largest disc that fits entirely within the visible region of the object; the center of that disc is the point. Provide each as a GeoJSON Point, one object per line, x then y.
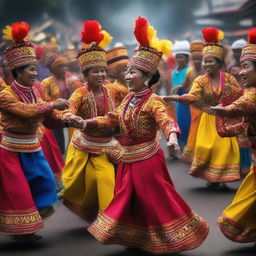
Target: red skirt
{"type": "Point", "coordinates": [18, 213]}
{"type": "Point", "coordinates": [53, 155]}
{"type": "Point", "coordinates": [147, 212]}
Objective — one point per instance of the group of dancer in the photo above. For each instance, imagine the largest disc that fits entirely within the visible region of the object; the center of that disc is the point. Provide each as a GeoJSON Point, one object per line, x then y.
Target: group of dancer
{"type": "Point", "coordinates": [115, 175]}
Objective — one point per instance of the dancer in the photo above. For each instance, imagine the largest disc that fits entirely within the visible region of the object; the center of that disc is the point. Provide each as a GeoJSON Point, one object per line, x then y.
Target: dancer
{"type": "Point", "coordinates": [89, 174]}
{"type": "Point", "coordinates": [146, 211]}
{"type": "Point", "coordinates": [215, 159]}
{"type": "Point", "coordinates": [238, 222]}
{"type": "Point", "coordinates": [27, 185]}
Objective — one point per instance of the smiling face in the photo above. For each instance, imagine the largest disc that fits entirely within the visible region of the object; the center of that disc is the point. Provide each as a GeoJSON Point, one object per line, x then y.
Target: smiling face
{"type": "Point", "coordinates": [135, 80]}
{"type": "Point", "coordinates": [211, 65]}
{"type": "Point", "coordinates": [27, 76]}
{"type": "Point", "coordinates": [96, 76]}
{"type": "Point", "coordinates": [248, 73]}
{"type": "Point", "coordinates": [60, 70]}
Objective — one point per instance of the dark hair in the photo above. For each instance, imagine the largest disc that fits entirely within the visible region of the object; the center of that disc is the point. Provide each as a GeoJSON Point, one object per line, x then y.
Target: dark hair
{"type": "Point", "coordinates": [219, 62]}
{"type": "Point", "coordinates": [18, 70]}
{"type": "Point", "coordinates": [86, 72]}
{"type": "Point", "coordinates": [254, 64]}
{"type": "Point", "coordinates": [154, 79]}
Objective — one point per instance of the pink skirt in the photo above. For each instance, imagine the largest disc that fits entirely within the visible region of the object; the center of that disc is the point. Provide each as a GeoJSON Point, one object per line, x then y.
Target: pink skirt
{"type": "Point", "coordinates": [18, 213]}
{"type": "Point", "coordinates": [53, 155]}
{"type": "Point", "coordinates": [147, 212]}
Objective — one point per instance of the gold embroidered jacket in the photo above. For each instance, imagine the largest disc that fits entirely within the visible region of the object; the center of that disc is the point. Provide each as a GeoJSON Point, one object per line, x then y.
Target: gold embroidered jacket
{"type": "Point", "coordinates": [23, 118]}
{"type": "Point", "coordinates": [138, 127]}
{"type": "Point", "coordinates": [84, 104]}
{"type": "Point", "coordinates": [201, 91]}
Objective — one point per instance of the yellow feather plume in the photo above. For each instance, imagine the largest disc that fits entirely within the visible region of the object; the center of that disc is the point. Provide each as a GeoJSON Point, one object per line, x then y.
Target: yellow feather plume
{"type": "Point", "coordinates": [151, 35]}
{"type": "Point", "coordinates": [164, 46]}
{"type": "Point", "coordinates": [7, 33]}
{"type": "Point", "coordinates": [106, 40]}
{"type": "Point", "coordinates": [220, 35]}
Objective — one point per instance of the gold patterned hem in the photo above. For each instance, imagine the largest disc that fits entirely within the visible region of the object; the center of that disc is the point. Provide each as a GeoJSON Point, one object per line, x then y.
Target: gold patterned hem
{"type": "Point", "coordinates": [20, 221]}
{"type": "Point", "coordinates": [187, 155]}
{"type": "Point", "coordinates": [215, 173]}
{"type": "Point", "coordinates": [86, 213]}
{"type": "Point", "coordinates": [182, 234]}
{"type": "Point", "coordinates": [235, 231]}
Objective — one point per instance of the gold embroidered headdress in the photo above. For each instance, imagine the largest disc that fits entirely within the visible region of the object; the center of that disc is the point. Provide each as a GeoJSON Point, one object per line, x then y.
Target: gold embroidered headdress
{"type": "Point", "coordinates": [212, 47]}
{"type": "Point", "coordinates": [21, 52]}
{"type": "Point", "coordinates": [249, 50]}
{"type": "Point", "coordinates": [92, 53]}
{"type": "Point", "coordinates": [151, 49]}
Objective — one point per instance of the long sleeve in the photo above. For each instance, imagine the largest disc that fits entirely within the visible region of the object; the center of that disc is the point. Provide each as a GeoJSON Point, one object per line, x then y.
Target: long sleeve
{"type": "Point", "coordinates": [54, 120]}
{"type": "Point", "coordinates": [244, 106]}
{"type": "Point", "coordinates": [110, 120]}
{"type": "Point", "coordinates": [75, 101]}
{"type": "Point", "coordinates": [11, 104]}
{"type": "Point", "coordinates": [194, 95]}
{"type": "Point", "coordinates": [165, 122]}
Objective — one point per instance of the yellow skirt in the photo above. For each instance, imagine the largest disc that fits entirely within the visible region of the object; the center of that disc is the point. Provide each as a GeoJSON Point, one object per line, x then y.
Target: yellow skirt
{"type": "Point", "coordinates": [238, 221]}
{"type": "Point", "coordinates": [188, 152]}
{"type": "Point", "coordinates": [215, 159]}
{"type": "Point", "coordinates": [88, 181]}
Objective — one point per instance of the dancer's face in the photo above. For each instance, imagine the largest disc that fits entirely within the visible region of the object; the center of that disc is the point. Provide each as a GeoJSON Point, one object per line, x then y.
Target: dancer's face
{"type": "Point", "coordinates": [135, 80]}
{"type": "Point", "coordinates": [96, 76]}
{"type": "Point", "coordinates": [248, 73]}
{"type": "Point", "coordinates": [27, 76]}
{"type": "Point", "coordinates": [210, 65]}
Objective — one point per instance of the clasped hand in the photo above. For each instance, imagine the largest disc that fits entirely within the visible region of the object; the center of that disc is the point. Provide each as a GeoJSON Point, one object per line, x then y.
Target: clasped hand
{"type": "Point", "coordinates": [74, 121]}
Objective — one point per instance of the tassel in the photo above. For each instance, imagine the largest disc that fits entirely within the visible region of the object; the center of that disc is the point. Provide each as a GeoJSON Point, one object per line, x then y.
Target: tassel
{"type": "Point", "coordinates": [252, 36]}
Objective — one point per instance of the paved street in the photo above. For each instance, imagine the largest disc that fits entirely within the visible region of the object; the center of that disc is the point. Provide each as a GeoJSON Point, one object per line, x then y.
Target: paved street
{"type": "Point", "coordinates": [65, 235]}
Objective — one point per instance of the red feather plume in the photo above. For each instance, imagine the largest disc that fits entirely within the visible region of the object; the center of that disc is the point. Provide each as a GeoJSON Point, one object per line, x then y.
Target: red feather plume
{"type": "Point", "coordinates": [140, 31]}
{"type": "Point", "coordinates": [91, 32]}
{"type": "Point", "coordinates": [210, 35]}
{"type": "Point", "coordinates": [20, 31]}
{"type": "Point", "coordinates": [252, 36]}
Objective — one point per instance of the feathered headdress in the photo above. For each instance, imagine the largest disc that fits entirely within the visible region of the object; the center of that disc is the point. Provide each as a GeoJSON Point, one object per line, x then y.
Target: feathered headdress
{"type": "Point", "coordinates": [21, 52]}
{"type": "Point", "coordinates": [212, 47]}
{"type": "Point", "coordinates": [146, 36]}
{"type": "Point", "coordinates": [151, 49]}
{"type": "Point", "coordinates": [93, 35]}
{"type": "Point", "coordinates": [16, 32]}
{"type": "Point", "coordinates": [95, 39]}
{"type": "Point", "coordinates": [249, 50]}
{"type": "Point", "coordinates": [212, 35]}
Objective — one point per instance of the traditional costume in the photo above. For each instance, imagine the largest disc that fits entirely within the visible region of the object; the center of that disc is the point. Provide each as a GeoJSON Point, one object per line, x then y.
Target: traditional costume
{"type": "Point", "coordinates": [238, 222]}
{"type": "Point", "coordinates": [89, 175]}
{"type": "Point", "coordinates": [215, 159]}
{"type": "Point", "coordinates": [146, 211]}
{"type": "Point", "coordinates": [27, 185]}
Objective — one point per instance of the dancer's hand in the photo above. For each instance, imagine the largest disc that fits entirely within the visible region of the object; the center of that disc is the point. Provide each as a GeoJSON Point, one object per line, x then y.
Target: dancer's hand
{"type": "Point", "coordinates": [74, 121]}
{"type": "Point", "coordinates": [170, 98]}
{"type": "Point", "coordinates": [219, 111]}
{"type": "Point", "coordinates": [173, 143]}
{"type": "Point", "coordinates": [61, 104]}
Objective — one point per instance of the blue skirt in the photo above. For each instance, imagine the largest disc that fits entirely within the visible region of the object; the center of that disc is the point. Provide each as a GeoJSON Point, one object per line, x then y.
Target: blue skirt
{"type": "Point", "coordinates": [183, 119]}
{"type": "Point", "coordinates": [40, 178]}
